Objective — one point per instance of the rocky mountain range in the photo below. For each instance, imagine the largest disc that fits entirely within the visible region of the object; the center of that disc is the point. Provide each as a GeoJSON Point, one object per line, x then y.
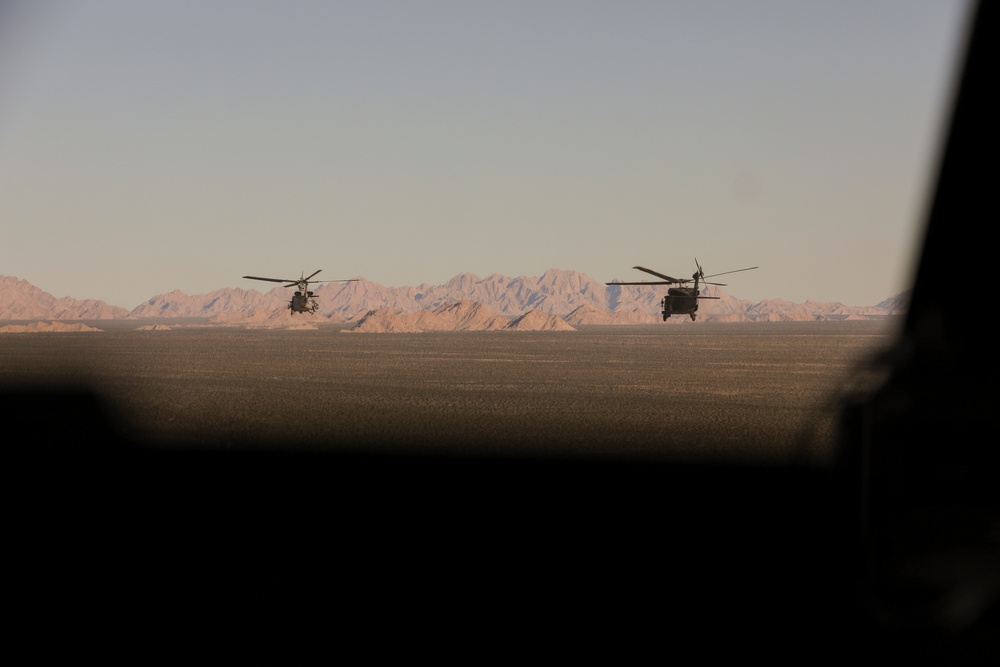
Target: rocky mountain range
{"type": "Point", "coordinates": [556, 299]}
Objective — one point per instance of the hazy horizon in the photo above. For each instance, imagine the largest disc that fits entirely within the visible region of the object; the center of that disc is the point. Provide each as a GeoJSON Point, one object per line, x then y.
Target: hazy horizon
{"type": "Point", "coordinates": [147, 147]}
{"type": "Point", "coordinates": [284, 293]}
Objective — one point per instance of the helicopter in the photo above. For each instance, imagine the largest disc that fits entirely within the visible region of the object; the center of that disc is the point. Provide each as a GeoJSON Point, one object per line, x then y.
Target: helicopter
{"type": "Point", "coordinates": [302, 301]}
{"type": "Point", "coordinates": [681, 300]}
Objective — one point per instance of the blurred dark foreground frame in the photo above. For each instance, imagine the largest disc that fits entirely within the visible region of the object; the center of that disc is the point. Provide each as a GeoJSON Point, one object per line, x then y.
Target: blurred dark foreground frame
{"type": "Point", "coordinates": [170, 555]}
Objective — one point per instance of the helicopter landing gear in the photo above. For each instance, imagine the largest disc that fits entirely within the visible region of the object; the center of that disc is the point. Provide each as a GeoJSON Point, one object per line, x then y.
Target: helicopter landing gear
{"type": "Point", "coordinates": [692, 317]}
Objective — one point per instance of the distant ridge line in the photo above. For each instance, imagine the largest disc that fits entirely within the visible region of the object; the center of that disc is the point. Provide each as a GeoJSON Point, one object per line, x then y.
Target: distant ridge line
{"type": "Point", "coordinates": [573, 296]}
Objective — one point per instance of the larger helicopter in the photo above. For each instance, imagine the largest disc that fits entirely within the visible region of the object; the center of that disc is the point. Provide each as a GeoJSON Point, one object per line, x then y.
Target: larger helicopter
{"type": "Point", "coordinates": [681, 300]}
{"type": "Point", "coordinates": [302, 301]}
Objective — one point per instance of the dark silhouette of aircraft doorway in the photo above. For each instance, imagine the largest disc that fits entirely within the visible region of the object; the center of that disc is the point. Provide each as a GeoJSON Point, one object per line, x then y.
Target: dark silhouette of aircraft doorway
{"type": "Point", "coordinates": [264, 556]}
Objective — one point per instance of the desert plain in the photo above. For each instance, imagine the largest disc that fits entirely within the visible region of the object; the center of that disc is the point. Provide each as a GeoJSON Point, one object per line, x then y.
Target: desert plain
{"type": "Point", "coordinates": [731, 391]}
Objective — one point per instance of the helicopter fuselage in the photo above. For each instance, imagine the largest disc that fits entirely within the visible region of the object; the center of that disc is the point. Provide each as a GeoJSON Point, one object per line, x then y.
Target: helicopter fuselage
{"type": "Point", "coordinates": [303, 302]}
{"type": "Point", "coordinates": [680, 301]}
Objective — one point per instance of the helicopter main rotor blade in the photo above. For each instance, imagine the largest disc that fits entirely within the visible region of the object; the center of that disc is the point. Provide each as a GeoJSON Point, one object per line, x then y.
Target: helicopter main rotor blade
{"type": "Point", "coordinates": [659, 275]}
{"type": "Point", "coordinates": [728, 272]}
{"type": "Point", "coordinates": [305, 280]}
{"type": "Point", "coordinates": [644, 282]}
{"type": "Point", "coordinates": [275, 280]}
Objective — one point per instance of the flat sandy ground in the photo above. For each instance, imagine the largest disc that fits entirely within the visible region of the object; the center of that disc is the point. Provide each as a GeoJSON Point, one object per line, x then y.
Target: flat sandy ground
{"type": "Point", "coordinates": [735, 391]}
{"type": "Point", "coordinates": [740, 559]}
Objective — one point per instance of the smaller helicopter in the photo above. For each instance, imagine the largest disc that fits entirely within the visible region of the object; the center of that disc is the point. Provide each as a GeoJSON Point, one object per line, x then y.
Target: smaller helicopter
{"type": "Point", "coordinates": [681, 300]}
{"type": "Point", "coordinates": [303, 300]}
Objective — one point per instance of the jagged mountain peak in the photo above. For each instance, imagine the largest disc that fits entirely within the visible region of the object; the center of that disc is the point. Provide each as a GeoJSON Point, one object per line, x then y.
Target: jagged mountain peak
{"type": "Point", "coordinates": [20, 300]}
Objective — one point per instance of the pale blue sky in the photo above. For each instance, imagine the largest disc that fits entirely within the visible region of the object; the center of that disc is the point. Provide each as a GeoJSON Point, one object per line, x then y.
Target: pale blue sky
{"type": "Point", "coordinates": [150, 146]}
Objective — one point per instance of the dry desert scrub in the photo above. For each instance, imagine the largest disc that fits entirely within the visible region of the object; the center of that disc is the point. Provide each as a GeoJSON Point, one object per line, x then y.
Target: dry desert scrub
{"type": "Point", "coordinates": [737, 391]}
